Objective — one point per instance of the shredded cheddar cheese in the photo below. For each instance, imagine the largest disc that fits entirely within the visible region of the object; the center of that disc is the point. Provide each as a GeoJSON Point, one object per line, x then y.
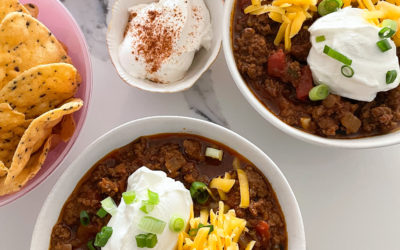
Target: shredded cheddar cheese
{"type": "Point", "coordinates": [224, 235]}
{"type": "Point", "coordinates": [290, 13]}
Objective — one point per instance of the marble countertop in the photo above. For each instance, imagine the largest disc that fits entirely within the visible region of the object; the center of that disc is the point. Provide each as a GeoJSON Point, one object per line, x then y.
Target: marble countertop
{"type": "Point", "coordinates": [348, 198]}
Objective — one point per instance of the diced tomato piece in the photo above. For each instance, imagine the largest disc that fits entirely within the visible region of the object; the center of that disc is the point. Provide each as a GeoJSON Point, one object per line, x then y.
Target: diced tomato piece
{"type": "Point", "coordinates": [277, 64]}
{"type": "Point", "coordinates": [262, 229]}
{"type": "Point", "coordinates": [305, 84]}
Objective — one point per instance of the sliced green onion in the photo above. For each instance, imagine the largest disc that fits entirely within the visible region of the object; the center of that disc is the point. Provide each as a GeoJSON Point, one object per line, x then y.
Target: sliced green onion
{"type": "Point", "coordinates": [90, 245]}
{"type": "Point", "coordinates": [391, 75]}
{"type": "Point", "coordinates": [347, 71]}
{"type": "Point", "coordinates": [319, 92]}
{"type": "Point", "coordinates": [84, 217]}
{"type": "Point", "coordinates": [101, 213]}
{"type": "Point", "coordinates": [103, 236]}
{"type": "Point", "coordinates": [151, 225]}
{"type": "Point", "coordinates": [214, 153]}
{"type": "Point", "coordinates": [129, 197]}
{"type": "Point", "coordinates": [193, 232]}
{"type": "Point", "coordinates": [384, 45]}
{"type": "Point", "coordinates": [337, 55]}
{"type": "Point", "coordinates": [328, 6]}
{"type": "Point", "coordinates": [210, 226]}
{"type": "Point", "coordinates": [151, 240]}
{"type": "Point", "coordinates": [141, 240]}
{"type": "Point", "coordinates": [176, 224]}
{"type": "Point", "coordinates": [153, 197]}
{"type": "Point", "coordinates": [386, 32]}
{"type": "Point", "coordinates": [147, 207]}
{"type": "Point", "coordinates": [319, 39]}
{"type": "Point", "coordinates": [199, 192]}
{"type": "Point", "coordinates": [109, 205]}
{"type": "Point", "coordinates": [390, 24]}
{"type": "Point", "coordinates": [146, 240]}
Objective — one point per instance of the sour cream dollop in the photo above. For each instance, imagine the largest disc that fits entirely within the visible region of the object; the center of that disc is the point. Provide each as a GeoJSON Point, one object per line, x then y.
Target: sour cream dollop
{"type": "Point", "coordinates": [350, 34]}
{"type": "Point", "coordinates": [175, 199]}
{"type": "Point", "coordinates": [163, 37]}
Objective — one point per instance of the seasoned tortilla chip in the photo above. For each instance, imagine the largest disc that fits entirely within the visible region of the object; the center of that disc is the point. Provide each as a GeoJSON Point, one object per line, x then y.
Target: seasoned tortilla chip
{"type": "Point", "coordinates": [66, 128]}
{"type": "Point", "coordinates": [38, 129]}
{"type": "Point", "coordinates": [40, 89]}
{"type": "Point", "coordinates": [3, 169]}
{"type": "Point", "coordinates": [24, 44]}
{"type": "Point", "coordinates": [32, 9]}
{"type": "Point", "coordinates": [33, 166]}
{"type": "Point", "coordinates": [12, 127]}
{"type": "Point", "coordinates": [7, 6]}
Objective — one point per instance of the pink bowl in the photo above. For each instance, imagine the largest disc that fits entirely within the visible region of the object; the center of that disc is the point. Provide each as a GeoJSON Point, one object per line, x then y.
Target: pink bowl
{"type": "Point", "coordinates": [58, 19]}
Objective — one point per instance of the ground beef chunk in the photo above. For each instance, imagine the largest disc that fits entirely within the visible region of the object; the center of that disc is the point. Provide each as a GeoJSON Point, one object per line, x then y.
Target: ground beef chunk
{"type": "Point", "coordinates": [193, 150]}
{"type": "Point", "coordinates": [252, 53]}
{"type": "Point", "coordinates": [108, 187]}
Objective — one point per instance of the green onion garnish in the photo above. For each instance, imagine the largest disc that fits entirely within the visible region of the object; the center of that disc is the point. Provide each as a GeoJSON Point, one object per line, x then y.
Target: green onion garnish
{"type": "Point", "coordinates": [391, 75]}
{"type": "Point", "coordinates": [390, 24]}
{"type": "Point", "coordinates": [193, 231]}
{"type": "Point", "coordinates": [386, 32]}
{"type": "Point", "coordinates": [176, 224]}
{"type": "Point", "coordinates": [129, 197]}
{"type": "Point", "coordinates": [199, 192]}
{"type": "Point", "coordinates": [337, 55]}
{"type": "Point", "coordinates": [384, 45]}
{"type": "Point", "coordinates": [90, 245]}
{"type": "Point", "coordinates": [319, 39]}
{"type": "Point", "coordinates": [103, 236]}
{"type": "Point", "coordinates": [153, 197]}
{"type": "Point", "coordinates": [146, 240]}
{"type": "Point", "coordinates": [109, 205]}
{"type": "Point", "coordinates": [147, 207]}
{"type": "Point", "coordinates": [319, 92]}
{"type": "Point", "coordinates": [101, 213]}
{"type": "Point", "coordinates": [84, 217]}
{"type": "Point", "coordinates": [347, 71]}
{"type": "Point", "coordinates": [328, 6]}
{"type": "Point", "coordinates": [151, 225]}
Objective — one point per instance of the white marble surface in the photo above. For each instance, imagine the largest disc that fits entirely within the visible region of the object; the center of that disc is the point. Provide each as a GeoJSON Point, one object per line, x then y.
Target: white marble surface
{"type": "Point", "coordinates": [349, 198]}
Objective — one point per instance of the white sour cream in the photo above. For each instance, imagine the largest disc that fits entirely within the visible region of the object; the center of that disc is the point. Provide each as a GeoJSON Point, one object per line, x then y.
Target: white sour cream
{"type": "Point", "coordinates": [175, 199]}
{"type": "Point", "coordinates": [350, 34]}
{"type": "Point", "coordinates": [163, 38]}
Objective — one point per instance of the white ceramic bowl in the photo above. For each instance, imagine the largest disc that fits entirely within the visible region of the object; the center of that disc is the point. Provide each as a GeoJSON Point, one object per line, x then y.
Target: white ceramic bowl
{"type": "Point", "coordinates": [202, 60]}
{"type": "Point", "coordinates": [128, 132]}
{"type": "Point", "coordinates": [369, 142]}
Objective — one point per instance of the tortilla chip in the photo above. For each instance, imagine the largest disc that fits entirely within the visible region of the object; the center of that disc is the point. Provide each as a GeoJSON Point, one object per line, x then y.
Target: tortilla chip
{"type": "Point", "coordinates": [38, 129]}
{"type": "Point", "coordinates": [66, 128]}
{"type": "Point", "coordinates": [3, 169]}
{"type": "Point", "coordinates": [32, 9]}
{"type": "Point", "coordinates": [24, 44]}
{"type": "Point", "coordinates": [7, 6]}
{"type": "Point", "coordinates": [33, 166]}
{"type": "Point", "coordinates": [12, 127]}
{"type": "Point", "coordinates": [40, 89]}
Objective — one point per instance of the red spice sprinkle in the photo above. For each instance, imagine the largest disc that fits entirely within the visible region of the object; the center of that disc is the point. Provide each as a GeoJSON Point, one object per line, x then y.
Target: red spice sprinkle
{"type": "Point", "coordinates": [156, 40]}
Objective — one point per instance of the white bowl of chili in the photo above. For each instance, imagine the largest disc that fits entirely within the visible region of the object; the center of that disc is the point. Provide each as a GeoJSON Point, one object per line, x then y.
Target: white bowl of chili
{"type": "Point", "coordinates": [354, 141]}
{"type": "Point", "coordinates": [130, 131]}
{"type": "Point", "coordinates": [203, 58]}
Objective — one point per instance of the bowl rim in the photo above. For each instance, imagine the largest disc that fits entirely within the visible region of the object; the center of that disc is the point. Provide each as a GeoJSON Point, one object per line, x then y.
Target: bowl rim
{"type": "Point", "coordinates": [292, 214]}
{"type": "Point", "coordinates": [357, 143]}
{"type": "Point", "coordinates": [38, 180]}
{"type": "Point", "coordinates": [135, 82]}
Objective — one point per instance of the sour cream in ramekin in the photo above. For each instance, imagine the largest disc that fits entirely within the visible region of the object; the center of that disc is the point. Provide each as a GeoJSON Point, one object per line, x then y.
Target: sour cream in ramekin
{"type": "Point", "coordinates": [349, 33]}
{"type": "Point", "coordinates": [174, 199]}
{"type": "Point", "coordinates": [162, 38]}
